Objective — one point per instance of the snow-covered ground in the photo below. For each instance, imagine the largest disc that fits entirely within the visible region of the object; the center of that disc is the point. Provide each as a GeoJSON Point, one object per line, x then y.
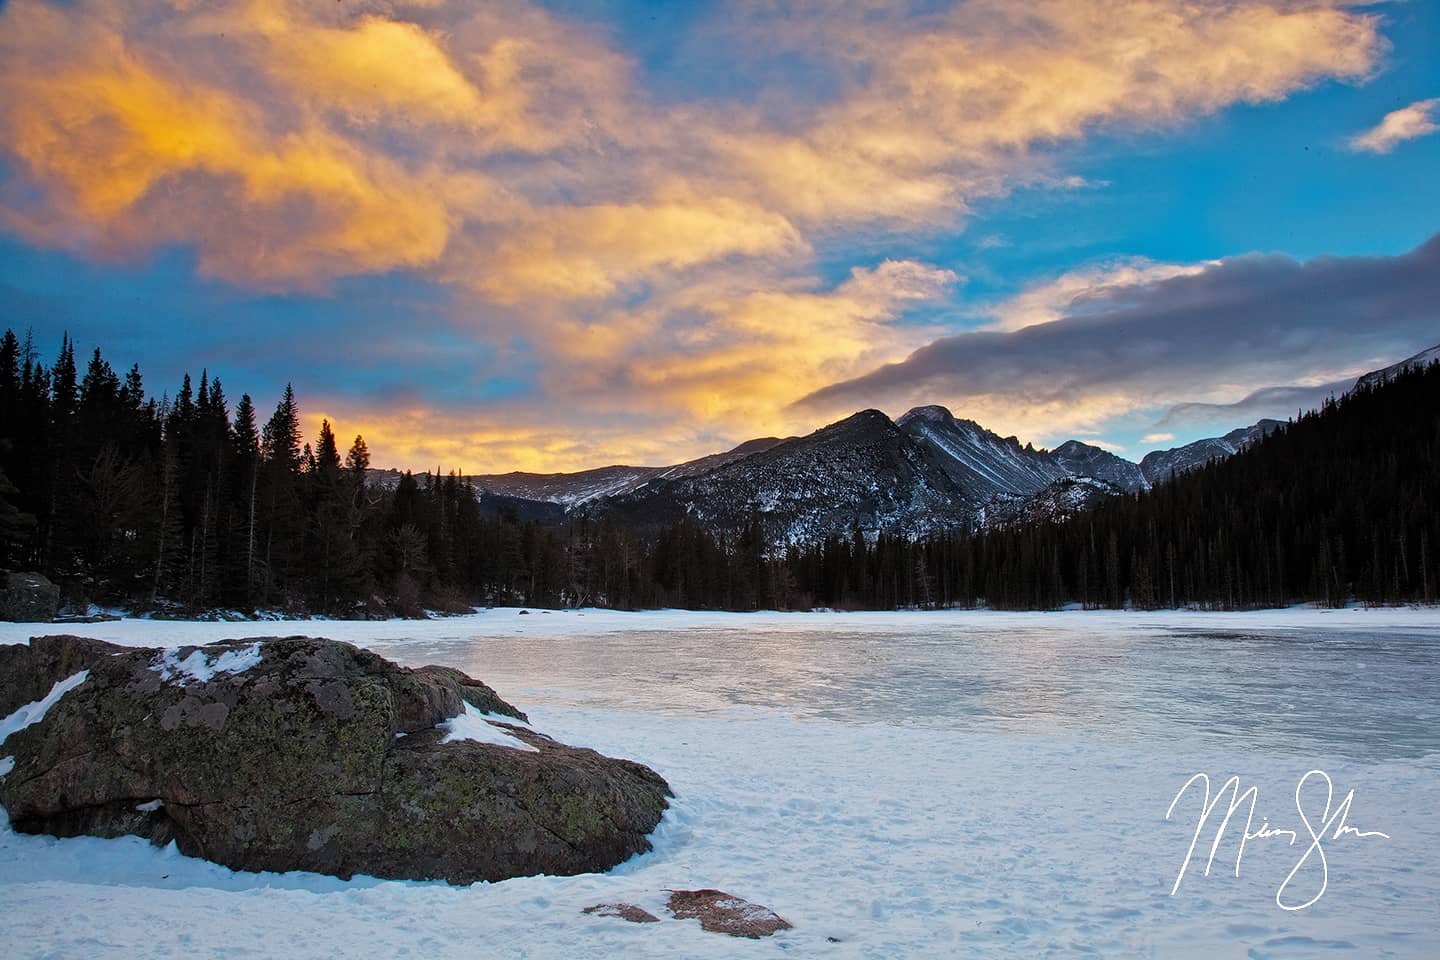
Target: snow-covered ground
{"type": "Point", "coordinates": [909, 784]}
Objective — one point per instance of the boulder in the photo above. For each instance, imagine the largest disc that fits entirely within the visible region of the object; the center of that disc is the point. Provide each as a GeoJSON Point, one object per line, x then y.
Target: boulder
{"type": "Point", "coordinates": [307, 754]}
{"type": "Point", "coordinates": [721, 912]}
{"type": "Point", "coordinates": [28, 598]}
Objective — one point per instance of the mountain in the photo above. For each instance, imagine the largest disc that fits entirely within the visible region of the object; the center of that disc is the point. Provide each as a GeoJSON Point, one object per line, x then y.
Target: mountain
{"type": "Point", "coordinates": [863, 472]}
{"type": "Point", "coordinates": [1063, 498]}
{"type": "Point", "coordinates": [584, 486]}
{"type": "Point", "coordinates": [1159, 465]}
{"type": "Point", "coordinates": [926, 471]}
{"type": "Point", "coordinates": [1422, 359]}
{"type": "Point", "coordinates": [567, 489]}
{"type": "Point", "coordinates": [1085, 460]}
{"type": "Point", "coordinates": [990, 469]}
{"type": "Point", "coordinates": [981, 463]}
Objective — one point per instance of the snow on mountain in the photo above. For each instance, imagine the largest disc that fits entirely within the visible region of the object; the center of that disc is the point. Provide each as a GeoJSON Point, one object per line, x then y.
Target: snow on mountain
{"type": "Point", "coordinates": [863, 471]}
{"type": "Point", "coordinates": [568, 489]}
{"type": "Point", "coordinates": [1159, 465]}
{"type": "Point", "coordinates": [1421, 359]}
{"type": "Point", "coordinates": [928, 470]}
{"type": "Point", "coordinates": [1081, 459]}
{"type": "Point", "coordinates": [585, 486]}
{"type": "Point", "coordinates": [980, 462]}
{"type": "Point", "coordinates": [1065, 497]}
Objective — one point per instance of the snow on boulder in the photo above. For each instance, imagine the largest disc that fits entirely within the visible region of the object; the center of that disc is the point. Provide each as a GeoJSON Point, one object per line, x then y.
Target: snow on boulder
{"type": "Point", "coordinates": [287, 754]}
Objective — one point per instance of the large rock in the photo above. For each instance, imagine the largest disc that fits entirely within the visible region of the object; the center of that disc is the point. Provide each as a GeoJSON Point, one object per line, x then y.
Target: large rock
{"type": "Point", "coordinates": [307, 754]}
{"type": "Point", "coordinates": [28, 597]}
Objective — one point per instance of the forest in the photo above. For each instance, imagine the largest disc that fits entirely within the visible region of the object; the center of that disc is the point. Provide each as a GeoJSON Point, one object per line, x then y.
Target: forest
{"type": "Point", "coordinates": [183, 506]}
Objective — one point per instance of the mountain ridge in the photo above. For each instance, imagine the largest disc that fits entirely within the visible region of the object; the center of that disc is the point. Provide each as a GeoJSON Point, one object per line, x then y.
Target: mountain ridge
{"type": "Point", "coordinates": [925, 470]}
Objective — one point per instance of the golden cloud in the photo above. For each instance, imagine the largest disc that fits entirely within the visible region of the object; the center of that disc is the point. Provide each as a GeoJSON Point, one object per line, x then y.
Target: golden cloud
{"type": "Point", "coordinates": [657, 254]}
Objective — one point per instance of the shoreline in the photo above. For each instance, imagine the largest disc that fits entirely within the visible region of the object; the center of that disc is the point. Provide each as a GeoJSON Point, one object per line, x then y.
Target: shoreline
{"type": "Point", "coordinates": [510, 621]}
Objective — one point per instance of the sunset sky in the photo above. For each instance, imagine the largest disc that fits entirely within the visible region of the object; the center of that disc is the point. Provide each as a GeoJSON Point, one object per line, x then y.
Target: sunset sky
{"type": "Point", "coordinates": [507, 235]}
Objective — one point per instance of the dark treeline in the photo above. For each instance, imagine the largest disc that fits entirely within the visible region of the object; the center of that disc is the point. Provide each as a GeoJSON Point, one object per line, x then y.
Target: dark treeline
{"type": "Point", "coordinates": [185, 504]}
{"type": "Point", "coordinates": [1337, 506]}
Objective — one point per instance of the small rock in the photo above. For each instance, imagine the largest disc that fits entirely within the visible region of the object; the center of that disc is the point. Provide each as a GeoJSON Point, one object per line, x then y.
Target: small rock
{"type": "Point", "coordinates": [625, 911]}
{"type": "Point", "coordinates": [720, 912]}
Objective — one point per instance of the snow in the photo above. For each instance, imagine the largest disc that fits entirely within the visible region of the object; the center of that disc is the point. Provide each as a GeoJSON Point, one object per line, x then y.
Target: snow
{"type": "Point", "coordinates": [35, 711]}
{"type": "Point", "coordinates": [150, 806]}
{"type": "Point", "coordinates": [911, 784]}
{"type": "Point", "coordinates": [198, 667]}
{"type": "Point", "coordinates": [475, 725]}
{"type": "Point", "coordinates": [6, 765]}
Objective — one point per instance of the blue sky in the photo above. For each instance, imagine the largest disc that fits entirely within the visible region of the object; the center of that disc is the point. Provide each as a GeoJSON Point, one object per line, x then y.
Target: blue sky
{"type": "Point", "coordinates": [550, 237]}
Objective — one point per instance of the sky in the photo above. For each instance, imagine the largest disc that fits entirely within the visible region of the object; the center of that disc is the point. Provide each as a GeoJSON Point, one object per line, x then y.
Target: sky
{"type": "Point", "coordinates": [551, 236]}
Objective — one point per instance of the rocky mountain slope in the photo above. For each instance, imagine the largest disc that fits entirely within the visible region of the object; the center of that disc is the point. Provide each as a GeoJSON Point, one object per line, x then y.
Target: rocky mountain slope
{"type": "Point", "coordinates": [1159, 465]}
{"type": "Point", "coordinates": [926, 470]}
{"type": "Point", "coordinates": [862, 471]}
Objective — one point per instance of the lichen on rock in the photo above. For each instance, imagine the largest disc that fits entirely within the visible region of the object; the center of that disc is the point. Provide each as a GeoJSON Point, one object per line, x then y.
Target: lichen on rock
{"type": "Point", "coordinates": [296, 761]}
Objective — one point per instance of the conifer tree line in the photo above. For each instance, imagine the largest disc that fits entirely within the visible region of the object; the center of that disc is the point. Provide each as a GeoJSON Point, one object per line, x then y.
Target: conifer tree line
{"type": "Point", "coordinates": [187, 504]}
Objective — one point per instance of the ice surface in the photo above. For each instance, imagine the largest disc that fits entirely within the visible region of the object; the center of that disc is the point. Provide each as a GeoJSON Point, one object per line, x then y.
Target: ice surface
{"type": "Point", "coordinates": [200, 668]}
{"type": "Point", "coordinates": [35, 711]}
{"type": "Point", "coordinates": [475, 724]}
{"type": "Point", "coordinates": [911, 784]}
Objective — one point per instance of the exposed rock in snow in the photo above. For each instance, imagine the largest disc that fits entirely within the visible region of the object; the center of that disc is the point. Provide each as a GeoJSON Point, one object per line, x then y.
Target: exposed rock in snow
{"type": "Point", "coordinates": [625, 911]}
{"type": "Point", "coordinates": [720, 912]}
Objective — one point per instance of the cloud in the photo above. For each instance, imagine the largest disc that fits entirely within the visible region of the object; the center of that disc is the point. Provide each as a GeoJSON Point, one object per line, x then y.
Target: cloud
{"type": "Point", "coordinates": [725, 354]}
{"type": "Point", "coordinates": [1157, 438]}
{"type": "Point", "coordinates": [485, 140]}
{"type": "Point", "coordinates": [1048, 302]}
{"type": "Point", "coordinates": [652, 255]}
{"type": "Point", "coordinates": [1240, 324]}
{"type": "Point", "coordinates": [1265, 402]}
{"type": "Point", "coordinates": [1407, 123]}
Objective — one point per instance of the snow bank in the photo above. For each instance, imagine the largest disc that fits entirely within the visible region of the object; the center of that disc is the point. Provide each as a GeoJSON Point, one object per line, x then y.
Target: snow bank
{"type": "Point", "coordinates": [475, 725]}
{"type": "Point", "coordinates": [35, 712]}
{"type": "Point", "coordinates": [200, 668]}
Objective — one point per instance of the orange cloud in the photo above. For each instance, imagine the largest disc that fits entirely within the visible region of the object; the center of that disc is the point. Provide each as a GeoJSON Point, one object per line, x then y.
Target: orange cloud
{"type": "Point", "coordinates": [655, 256]}
{"type": "Point", "coordinates": [591, 251]}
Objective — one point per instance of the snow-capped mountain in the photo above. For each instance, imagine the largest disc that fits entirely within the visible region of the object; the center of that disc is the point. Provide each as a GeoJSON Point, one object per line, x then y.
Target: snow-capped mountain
{"type": "Point", "coordinates": [1159, 465]}
{"type": "Point", "coordinates": [981, 463]}
{"type": "Point", "coordinates": [1087, 460]}
{"type": "Point", "coordinates": [927, 470]}
{"type": "Point", "coordinates": [863, 471]}
{"type": "Point", "coordinates": [585, 486]}
{"type": "Point", "coordinates": [986, 466]}
{"type": "Point", "coordinates": [1421, 359]}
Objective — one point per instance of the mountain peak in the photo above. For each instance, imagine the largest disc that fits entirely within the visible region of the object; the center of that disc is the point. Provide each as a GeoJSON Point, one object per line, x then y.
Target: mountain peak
{"type": "Point", "coordinates": [931, 413]}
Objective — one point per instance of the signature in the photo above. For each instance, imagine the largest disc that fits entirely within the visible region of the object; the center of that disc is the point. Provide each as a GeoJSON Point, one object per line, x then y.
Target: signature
{"type": "Point", "coordinates": [1330, 825]}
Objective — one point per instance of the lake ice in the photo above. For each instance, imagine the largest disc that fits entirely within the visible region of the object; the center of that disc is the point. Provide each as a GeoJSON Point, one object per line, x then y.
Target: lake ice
{"type": "Point", "coordinates": [910, 784]}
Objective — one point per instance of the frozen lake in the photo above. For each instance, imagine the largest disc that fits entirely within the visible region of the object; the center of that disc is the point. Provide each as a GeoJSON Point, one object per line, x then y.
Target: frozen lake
{"type": "Point", "coordinates": [910, 784]}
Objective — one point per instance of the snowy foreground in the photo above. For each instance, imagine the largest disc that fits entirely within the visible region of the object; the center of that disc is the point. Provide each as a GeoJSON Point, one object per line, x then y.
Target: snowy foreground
{"type": "Point", "coordinates": [909, 784]}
